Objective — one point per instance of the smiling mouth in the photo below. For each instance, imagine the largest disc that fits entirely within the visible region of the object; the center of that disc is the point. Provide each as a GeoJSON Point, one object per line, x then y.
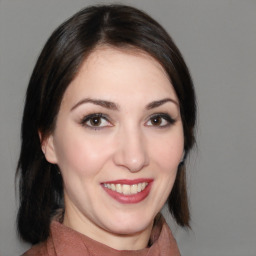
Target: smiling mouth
{"type": "Point", "coordinates": [126, 189]}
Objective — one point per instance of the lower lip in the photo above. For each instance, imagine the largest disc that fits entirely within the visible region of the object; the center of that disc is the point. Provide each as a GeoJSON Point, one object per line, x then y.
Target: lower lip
{"type": "Point", "coordinates": [129, 199]}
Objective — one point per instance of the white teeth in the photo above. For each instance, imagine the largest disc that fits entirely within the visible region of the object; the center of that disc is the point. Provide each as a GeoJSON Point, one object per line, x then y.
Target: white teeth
{"type": "Point", "coordinates": [126, 189]}
{"type": "Point", "coordinates": [134, 189]}
{"type": "Point", "coordinates": [113, 187]}
{"type": "Point", "coordinates": [119, 188]}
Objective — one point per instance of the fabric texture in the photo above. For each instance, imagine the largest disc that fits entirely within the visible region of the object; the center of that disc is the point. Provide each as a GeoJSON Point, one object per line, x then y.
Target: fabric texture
{"type": "Point", "coordinates": [64, 241]}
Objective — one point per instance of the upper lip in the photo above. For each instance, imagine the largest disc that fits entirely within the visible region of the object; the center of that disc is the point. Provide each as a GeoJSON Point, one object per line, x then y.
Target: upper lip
{"type": "Point", "coordinates": [128, 181]}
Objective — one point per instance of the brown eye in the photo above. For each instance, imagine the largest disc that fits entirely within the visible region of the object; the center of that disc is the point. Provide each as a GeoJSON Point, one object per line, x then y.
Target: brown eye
{"type": "Point", "coordinates": [160, 120]}
{"type": "Point", "coordinates": [95, 121]}
{"type": "Point", "coordinates": [156, 121]}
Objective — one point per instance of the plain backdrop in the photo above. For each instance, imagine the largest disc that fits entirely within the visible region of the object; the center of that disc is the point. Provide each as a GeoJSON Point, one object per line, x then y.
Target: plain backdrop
{"type": "Point", "coordinates": [218, 41]}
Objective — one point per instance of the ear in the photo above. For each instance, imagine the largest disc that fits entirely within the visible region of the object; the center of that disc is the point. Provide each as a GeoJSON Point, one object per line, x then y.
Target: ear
{"type": "Point", "coordinates": [48, 148]}
{"type": "Point", "coordinates": [183, 158]}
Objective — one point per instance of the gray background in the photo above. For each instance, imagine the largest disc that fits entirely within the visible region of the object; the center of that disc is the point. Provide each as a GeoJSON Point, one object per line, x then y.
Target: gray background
{"type": "Point", "coordinates": [218, 41]}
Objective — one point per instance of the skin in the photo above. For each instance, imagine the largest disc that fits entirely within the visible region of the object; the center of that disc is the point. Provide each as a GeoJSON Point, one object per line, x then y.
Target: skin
{"type": "Point", "coordinates": [127, 144]}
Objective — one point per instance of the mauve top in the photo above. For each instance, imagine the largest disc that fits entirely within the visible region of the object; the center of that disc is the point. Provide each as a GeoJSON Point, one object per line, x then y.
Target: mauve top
{"type": "Point", "coordinates": [64, 241]}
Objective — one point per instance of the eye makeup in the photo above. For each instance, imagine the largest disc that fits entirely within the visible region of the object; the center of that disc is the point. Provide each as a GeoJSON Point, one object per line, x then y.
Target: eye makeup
{"type": "Point", "coordinates": [160, 120]}
{"type": "Point", "coordinates": [96, 121]}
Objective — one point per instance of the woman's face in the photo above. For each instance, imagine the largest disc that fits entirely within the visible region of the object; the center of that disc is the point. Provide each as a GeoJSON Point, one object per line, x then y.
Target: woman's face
{"type": "Point", "coordinates": [118, 142]}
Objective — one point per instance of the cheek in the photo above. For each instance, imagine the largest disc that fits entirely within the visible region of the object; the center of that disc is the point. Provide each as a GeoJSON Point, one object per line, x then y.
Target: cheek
{"type": "Point", "coordinates": [169, 156]}
{"type": "Point", "coordinates": [168, 152]}
{"type": "Point", "coordinates": [81, 154]}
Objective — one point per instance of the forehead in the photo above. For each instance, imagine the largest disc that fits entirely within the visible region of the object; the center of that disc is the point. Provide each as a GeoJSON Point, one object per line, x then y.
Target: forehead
{"type": "Point", "coordinates": [123, 57]}
{"type": "Point", "coordinates": [110, 72]}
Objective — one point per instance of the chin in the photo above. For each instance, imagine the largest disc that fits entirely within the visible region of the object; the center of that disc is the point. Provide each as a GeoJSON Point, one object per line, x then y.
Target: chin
{"type": "Point", "coordinates": [130, 225]}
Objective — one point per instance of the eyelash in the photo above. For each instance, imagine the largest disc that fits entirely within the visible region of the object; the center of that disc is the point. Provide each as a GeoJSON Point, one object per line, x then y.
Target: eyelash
{"type": "Point", "coordinates": [89, 118]}
{"type": "Point", "coordinates": [164, 116]}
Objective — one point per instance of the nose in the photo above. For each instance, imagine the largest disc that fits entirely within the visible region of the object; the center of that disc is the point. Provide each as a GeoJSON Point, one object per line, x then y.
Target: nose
{"type": "Point", "coordinates": [131, 151]}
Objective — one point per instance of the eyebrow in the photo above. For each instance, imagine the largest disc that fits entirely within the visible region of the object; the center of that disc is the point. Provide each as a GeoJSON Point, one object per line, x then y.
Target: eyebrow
{"type": "Point", "coordinates": [113, 106]}
{"type": "Point", "coordinates": [102, 103]}
{"type": "Point", "coordinates": [158, 103]}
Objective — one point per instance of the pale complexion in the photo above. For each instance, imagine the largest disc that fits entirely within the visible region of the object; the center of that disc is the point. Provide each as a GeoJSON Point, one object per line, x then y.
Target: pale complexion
{"type": "Point", "coordinates": [119, 120]}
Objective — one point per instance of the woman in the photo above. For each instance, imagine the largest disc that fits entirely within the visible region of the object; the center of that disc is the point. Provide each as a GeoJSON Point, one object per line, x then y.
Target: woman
{"type": "Point", "coordinates": [108, 122]}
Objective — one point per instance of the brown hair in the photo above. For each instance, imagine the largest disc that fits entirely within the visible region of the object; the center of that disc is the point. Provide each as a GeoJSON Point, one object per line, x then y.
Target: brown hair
{"type": "Point", "coordinates": [41, 187]}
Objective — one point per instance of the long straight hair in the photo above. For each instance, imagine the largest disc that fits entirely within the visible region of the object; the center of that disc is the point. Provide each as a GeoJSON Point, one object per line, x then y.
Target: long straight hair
{"type": "Point", "coordinates": [40, 185]}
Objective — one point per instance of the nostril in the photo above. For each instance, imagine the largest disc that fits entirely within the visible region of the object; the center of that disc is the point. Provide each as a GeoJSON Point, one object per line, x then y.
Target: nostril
{"type": "Point", "coordinates": [132, 158]}
{"type": "Point", "coordinates": [137, 164]}
{"type": "Point", "coordinates": [133, 164]}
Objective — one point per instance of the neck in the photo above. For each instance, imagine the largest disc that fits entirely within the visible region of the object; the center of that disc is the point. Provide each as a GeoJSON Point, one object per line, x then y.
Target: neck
{"type": "Point", "coordinates": [134, 241]}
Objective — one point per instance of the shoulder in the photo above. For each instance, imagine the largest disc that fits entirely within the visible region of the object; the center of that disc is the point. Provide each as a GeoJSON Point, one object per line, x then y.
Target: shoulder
{"type": "Point", "coordinates": [61, 241]}
{"type": "Point", "coordinates": [41, 249]}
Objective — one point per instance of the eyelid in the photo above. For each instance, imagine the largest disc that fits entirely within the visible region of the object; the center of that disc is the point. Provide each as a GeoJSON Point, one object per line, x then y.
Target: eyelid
{"type": "Point", "coordinates": [87, 118]}
{"type": "Point", "coordinates": [164, 116]}
{"type": "Point", "coordinates": [167, 117]}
